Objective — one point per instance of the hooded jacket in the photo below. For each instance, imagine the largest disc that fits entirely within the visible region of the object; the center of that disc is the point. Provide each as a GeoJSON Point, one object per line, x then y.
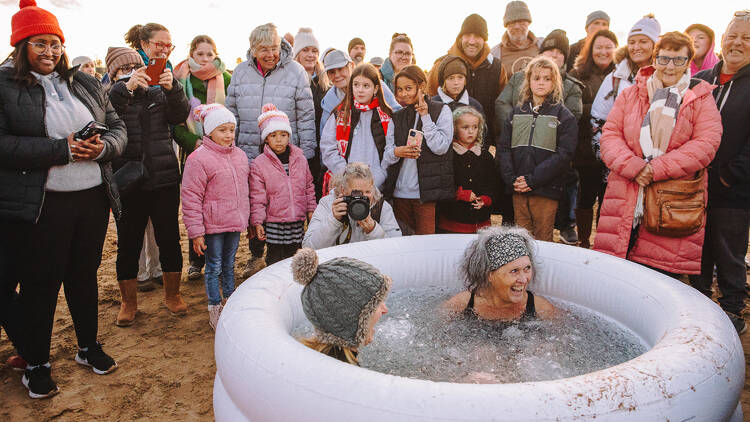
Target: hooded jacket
{"type": "Point", "coordinates": [287, 86]}
{"type": "Point", "coordinates": [732, 161]}
{"type": "Point", "coordinates": [27, 153]}
{"type": "Point", "coordinates": [692, 146]}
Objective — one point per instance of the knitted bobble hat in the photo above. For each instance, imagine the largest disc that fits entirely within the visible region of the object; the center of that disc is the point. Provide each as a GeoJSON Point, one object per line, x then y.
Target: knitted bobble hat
{"type": "Point", "coordinates": [516, 11]}
{"type": "Point", "coordinates": [647, 26]}
{"type": "Point", "coordinates": [120, 56]}
{"type": "Point", "coordinates": [304, 39]}
{"type": "Point", "coordinates": [340, 296]}
{"type": "Point", "coordinates": [212, 116]}
{"type": "Point", "coordinates": [271, 119]}
{"type": "Point", "coordinates": [32, 20]}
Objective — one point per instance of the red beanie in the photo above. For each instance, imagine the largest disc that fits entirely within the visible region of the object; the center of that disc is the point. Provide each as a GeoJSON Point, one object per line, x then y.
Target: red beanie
{"type": "Point", "coordinates": [32, 20]}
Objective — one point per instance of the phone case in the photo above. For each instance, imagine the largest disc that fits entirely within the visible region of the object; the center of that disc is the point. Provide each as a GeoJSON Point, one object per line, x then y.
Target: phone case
{"type": "Point", "coordinates": [416, 139]}
{"type": "Point", "coordinates": [155, 69]}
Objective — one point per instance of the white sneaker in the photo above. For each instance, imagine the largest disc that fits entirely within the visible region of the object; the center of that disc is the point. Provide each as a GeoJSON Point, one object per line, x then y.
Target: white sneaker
{"type": "Point", "coordinates": [214, 311]}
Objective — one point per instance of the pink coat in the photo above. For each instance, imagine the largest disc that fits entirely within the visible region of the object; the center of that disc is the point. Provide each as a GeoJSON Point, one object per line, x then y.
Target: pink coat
{"type": "Point", "coordinates": [278, 197]}
{"type": "Point", "coordinates": [215, 190]}
{"type": "Point", "coordinates": [692, 147]}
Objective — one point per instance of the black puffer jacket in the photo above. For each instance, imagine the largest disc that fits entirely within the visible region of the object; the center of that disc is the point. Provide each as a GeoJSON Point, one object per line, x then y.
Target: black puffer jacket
{"type": "Point", "coordinates": [147, 115]}
{"type": "Point", "coordinates": [27, 153]}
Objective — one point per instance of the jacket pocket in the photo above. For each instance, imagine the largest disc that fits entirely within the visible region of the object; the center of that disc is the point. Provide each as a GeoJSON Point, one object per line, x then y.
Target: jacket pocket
{"type": "Point", "coordinates": [521, 130]}
{"type": "Point", "coordinates": [545, 133]}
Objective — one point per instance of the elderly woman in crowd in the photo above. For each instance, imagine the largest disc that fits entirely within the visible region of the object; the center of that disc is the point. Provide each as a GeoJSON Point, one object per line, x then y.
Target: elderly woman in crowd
{"type": "Point", "coordinates": [56, 190]}
{"type": "Point", "coordinates": [666, 127]}
{"type": "Point", "coordinates": [86, 65]}
{"type": "Point", "coordinates": [497, 268]}
{"type": "Point", "coordinates": [332, 225]}
{"type": "Point", "coordinates": [270, 75]}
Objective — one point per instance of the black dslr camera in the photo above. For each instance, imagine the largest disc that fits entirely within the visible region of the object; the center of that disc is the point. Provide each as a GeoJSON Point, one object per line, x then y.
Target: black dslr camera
{"type": "Point", "coordinates": [357, 205]}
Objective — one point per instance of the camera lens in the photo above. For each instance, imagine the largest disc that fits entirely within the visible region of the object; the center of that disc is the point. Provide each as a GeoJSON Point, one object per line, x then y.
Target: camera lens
{"type": "Point", "coordinates": [359, 210]}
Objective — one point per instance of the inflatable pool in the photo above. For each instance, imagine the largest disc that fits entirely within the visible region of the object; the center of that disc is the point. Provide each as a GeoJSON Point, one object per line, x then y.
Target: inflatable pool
{"type": "Point", "coordinates": [694, 369]}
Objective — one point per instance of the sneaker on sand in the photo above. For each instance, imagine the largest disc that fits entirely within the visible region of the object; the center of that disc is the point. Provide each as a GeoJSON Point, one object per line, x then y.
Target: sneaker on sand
{"type": "Point", "coordinates": [39, 382]}
{"type": "Point", "coordinates": [253, 266]}
{"type": "Point", "coordinates": [95, 357]}
{"type": "Point", "coordinates": [569, 236]}
{"type": "Point", "coordinates": [16, 363]}
{"type": "Point", "coordinates": [738, 322]}
{"type": "Point", "coordinates": [214, 311]}
{"type": "Point", "coordinates": [194, 273]}
{"type": "Point", "coordinates": [146, 285]}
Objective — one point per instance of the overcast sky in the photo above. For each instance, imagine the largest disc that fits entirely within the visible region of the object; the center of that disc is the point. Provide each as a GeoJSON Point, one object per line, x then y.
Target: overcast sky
{"type": "Point", "coordinates": [90, 26]}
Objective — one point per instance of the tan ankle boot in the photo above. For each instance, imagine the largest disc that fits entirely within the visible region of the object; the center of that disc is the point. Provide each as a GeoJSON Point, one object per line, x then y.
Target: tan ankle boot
{"type": "Point", "coordinates": [172, 298]}
{"type": "Point", "coordinates": [128, 303]}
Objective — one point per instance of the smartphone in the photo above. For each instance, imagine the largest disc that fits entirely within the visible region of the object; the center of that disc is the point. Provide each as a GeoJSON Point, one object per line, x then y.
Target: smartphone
{"type": "Point", "coordinates": [414, 138]}
{"type": "Point", "coordinates": [92, 128]}
{"type": "Point", "coordinates": [155, 69]}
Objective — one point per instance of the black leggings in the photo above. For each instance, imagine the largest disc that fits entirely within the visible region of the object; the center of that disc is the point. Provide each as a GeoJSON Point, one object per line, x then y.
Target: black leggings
{"type": "Point", "coordinates": [10, 307]}
{"type": "Point", "coordinates": [63, 247]}
{"type": "Point", "coordinates": [278, 252]}
{"type": "Point", "coordinates": [162, 207]}
{"type": "Point", "coordinates": [591, 187]}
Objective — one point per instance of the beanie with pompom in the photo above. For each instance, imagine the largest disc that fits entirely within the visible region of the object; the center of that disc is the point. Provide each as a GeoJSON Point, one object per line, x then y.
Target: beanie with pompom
{"type": "Point", "coordinates": [212, 116]}
{"type": "Point", "coordinates": [32, 20]}
{"type": "Point", "coordinates": [304, 39]}
{"type": "Point", "coordinates": [272, 119]}
{"type": "Point", "coordinates": [340, 296]}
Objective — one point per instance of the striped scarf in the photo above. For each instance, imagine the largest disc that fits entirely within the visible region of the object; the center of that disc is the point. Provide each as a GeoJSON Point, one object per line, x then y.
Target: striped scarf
{"type": "Point", "coordinates": [213, 74]}
{"type": "Point", "coordinates": [658, 124]}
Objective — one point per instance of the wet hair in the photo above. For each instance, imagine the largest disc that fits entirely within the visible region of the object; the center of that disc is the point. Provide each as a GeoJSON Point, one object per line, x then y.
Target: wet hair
{"type": "Point", "coordinates": [20, 60]}
{"type": "Point", "coordinates": [140, 33]}
{"type": "Point", "coordinates": [538, 63]}
{"type": "Point", "coordinates": [325, 348]}
{"type": "Point", "coordinates": [355, 170]}
{"type": "Point", "coordinates": [264, 35]}
{"type": "Point", "coordinates": [464, 110]}
{"type": "Point", "coordinates": [200, 39]}
{"type": "Point", "coordinates": [475, 267]}
{"type": "Point", "coordinates": [412, 72]}
{"type": "Point", "coordinates": [368, 71]}
{"type": "Point", "coordinates": [675, 41]}
{"type": "Point", "coordinates": [585, 61]}
{"type": "Point", "coordinates": [399, 38]}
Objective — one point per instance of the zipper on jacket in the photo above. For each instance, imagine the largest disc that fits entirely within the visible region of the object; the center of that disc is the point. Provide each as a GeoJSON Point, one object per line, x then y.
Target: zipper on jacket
{"type": "Point", "coordinates": [678, 193]}
{"type": "Point", "coordinates": [533, 124]}
{"type": "Point", "coordinates": [46, 133]}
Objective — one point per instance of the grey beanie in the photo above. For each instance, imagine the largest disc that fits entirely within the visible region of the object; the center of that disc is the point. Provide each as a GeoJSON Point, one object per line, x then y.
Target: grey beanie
{"type": "Point", "coordinates": [505, 248]}
{"type": "Point", "coordinates": [340, 296]}
{"type": "Point", "coordinates": [81, 60]}
{"type": "Point", "coordinates": [596, 15]}
{"type": "Point", "coordinates": [377, 61]}
{"type": "Point", "coordinates": [516, 11]}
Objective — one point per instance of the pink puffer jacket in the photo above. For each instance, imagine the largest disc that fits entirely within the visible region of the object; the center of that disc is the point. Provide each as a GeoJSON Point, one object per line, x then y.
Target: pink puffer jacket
{"type": "Point", "coordinates": [692, 147]}
{"type": "Point", "coordinates": [276, 196]}
{"type": "Point", "coordinates": [215, 190]}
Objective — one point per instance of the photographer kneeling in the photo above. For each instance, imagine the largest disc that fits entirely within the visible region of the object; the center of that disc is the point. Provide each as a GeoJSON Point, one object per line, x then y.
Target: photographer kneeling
{"type": "Point", "coordinates": [353, 212]}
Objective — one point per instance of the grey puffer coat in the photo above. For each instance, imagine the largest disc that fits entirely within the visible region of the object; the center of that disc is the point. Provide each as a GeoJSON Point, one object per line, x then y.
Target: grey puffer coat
{"type": "Point", "coordinates": [287, 86]}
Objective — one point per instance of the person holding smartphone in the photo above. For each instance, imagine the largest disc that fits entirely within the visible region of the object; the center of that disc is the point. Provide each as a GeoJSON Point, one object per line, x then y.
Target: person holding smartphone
{"type": "Point", "coordinates": [419, 160]}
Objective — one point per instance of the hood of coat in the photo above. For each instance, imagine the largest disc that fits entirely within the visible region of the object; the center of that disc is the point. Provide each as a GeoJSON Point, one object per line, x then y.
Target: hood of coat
{"type": "Point", "coordinates": [702, 89]}
{"type": "Point", "coordinates": [285, 55]}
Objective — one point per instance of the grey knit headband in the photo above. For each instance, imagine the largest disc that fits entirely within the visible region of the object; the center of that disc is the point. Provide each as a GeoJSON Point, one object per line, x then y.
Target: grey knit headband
{"type": "Point", "coordinates": [505, 248]}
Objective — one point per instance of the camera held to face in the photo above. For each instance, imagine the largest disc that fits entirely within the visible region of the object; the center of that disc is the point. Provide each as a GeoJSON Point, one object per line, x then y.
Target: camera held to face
{"type": "Point", "coordinates": [357, 205]}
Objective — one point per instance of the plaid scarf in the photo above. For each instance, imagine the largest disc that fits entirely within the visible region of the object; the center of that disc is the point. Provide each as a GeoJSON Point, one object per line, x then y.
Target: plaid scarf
{"type": "Point", "coordinates": [658, 124]}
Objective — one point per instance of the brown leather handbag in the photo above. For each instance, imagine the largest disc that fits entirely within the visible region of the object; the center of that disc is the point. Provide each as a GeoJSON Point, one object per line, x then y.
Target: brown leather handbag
{"type": "Point", "coordinates": [675, 208]}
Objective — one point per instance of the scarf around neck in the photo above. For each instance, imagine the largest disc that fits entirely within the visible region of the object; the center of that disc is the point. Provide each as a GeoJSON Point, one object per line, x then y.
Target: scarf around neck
{"type": "Point", "coordinates": [658, 124]}
{"type": "Point", "coordinates": [708, 62]}
{"type": "Point", "coordinates": [213, 74]}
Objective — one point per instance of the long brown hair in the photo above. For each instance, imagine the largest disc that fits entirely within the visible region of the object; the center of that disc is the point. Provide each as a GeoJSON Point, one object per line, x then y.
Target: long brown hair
{"type": "Point", "coordinates": [585, 61]}
{"type": "Point", "coordinates": [368, 71]}
{"type": "Point", "coordinates": [20, 59]}
{"type": "Point", "coordinates": [325, 348]}
{"type": "Point", "coordinates": [140, 33]}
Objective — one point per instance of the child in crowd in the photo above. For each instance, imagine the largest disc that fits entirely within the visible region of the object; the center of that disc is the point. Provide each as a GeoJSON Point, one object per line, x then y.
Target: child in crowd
{"type": "Point", "coordinates": [419, 159]}
{"type": "Point", "coordinates": [474, 175]}
{"type": "Point", "coordinates": [453, 73]}
{"type": "Point", "coordinates": [536, 146]}
{"type": "Point", "coordinates": [281, 186]}
{"type": "Point", "coordinates": [215, 204]}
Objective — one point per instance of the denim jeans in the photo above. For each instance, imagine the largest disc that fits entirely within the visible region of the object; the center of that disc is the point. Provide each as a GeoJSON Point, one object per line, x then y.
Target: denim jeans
{"type": "Point", "coordinates": [220, 251]}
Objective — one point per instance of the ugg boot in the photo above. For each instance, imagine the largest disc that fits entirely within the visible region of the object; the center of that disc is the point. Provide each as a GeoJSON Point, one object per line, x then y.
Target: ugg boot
{"type": "Point", "coordinates": [214, 311]}
{"type": "Point", "coordinates": [584, 219]}
{"type": "Point", "coordinates": [128, 303]}
{"type": "Point", "coordinates": [172, 298]}
{"type": "Point", "coordinates": [253, 265]}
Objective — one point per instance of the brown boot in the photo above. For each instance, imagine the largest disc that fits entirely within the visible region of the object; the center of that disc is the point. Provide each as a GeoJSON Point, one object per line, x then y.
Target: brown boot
{"type": "Point", "coordinates": [584, 220]}
{"type": "Point", "coordinates": [172, 298]}
{"type": "Point", "coordinates": [128, 303]}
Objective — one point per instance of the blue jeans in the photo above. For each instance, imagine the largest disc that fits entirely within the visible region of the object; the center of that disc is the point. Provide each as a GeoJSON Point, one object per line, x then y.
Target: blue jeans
{"type": "Point", "coordinates": [220, 251]}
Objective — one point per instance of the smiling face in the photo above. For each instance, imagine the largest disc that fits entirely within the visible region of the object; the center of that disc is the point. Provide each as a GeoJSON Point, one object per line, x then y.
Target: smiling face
{"type": "Point", "coordinates": [467, 129]}
{"type": "Point", "coordinates": [158, 46]}
{"type": "Point", "coordinates": [43, 62]}
{"type": "Point", "coordinates": [379, 312]}
{"type": "Point", "coordinates": [472, 44]}
{"type": "Point", "coordinates": [363, 89]}
{"type": "Point", "coordinates": [603, 52]}
{"type": "Point", "coordinates": [277, 140]}
{"type": "Point", "coordinates": [640, 49]}
{"type": "Point", "coordinates": [224, 134]}
{"type": "Point", "coordinates": [203, 54]}
{"type": "Point", "coordinates": [268, 55]}
{"type": "Point", "coordinates": [400, 56]}
{"type": "Point", "coordinates": [670, 73]}
{"type": "Point", "coordinates": [340, 77]}
{"type": "Point", "coordinates": [735, 46]}
{"type": "Point", "coordinates": [308, 58]}
{"type": "Point", "coordinates": [701, 43]}
{"type": "Point", "coordinates": [508, 283]}
{"type": "Point", "coordinates": [406, 91]}
{"type": "Point", "coordinates": [357, 53]}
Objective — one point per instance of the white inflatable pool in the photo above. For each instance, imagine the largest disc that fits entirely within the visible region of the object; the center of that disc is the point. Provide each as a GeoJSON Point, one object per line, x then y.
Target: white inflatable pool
{"type": "Point", "coordinates": [694, 369]}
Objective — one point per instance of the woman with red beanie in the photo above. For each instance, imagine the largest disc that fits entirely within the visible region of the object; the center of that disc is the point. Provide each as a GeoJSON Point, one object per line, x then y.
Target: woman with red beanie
{"type": "Point", "coordinates": [55, 192]}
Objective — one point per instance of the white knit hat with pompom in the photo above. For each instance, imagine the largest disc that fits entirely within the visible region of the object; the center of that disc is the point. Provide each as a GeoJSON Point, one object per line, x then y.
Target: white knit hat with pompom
{"type": "Point", "coordinates": [303, 39]}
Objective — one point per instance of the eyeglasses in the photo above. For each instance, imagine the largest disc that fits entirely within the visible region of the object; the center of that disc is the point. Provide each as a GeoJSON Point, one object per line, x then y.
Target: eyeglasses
{"type": "Point", "coordinates": [742, 13]}
{"type": "Point", "coordinates": [678, 61]}
{"type": "Point", "coordinates": [401, 53]}
{"type": "Point", "coordinates": [162, 46]}
{"type": "Point", "coordinates": [40, 48]}
{"type": "Point", "coordinates": [128, 67]}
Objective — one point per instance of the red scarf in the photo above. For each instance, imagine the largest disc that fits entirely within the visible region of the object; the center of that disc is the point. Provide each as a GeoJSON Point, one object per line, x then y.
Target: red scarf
{"type": "Point", "coordinates": [343, 129]}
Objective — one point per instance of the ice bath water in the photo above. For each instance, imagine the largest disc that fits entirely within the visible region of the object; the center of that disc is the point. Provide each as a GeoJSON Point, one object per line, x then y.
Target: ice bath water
{"type": "Point", "coordinates": [415, 339]}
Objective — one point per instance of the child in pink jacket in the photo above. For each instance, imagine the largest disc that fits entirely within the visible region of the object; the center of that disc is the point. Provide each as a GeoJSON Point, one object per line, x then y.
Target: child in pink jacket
{"type": "Point", "coordinates": [215, 203]}
{"type": "Point", "coordinates": [282, 194]}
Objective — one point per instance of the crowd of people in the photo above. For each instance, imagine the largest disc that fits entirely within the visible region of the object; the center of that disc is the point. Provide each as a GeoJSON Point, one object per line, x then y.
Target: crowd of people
{"type": "Point", "coordinates": [300, 150]}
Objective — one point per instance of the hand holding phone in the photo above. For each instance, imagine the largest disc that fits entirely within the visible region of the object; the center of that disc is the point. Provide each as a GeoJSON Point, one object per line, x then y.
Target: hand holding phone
{"type": "Point", "coordinates": [155, 69]}
{"type": "Point", "coordinates": [415, 138]}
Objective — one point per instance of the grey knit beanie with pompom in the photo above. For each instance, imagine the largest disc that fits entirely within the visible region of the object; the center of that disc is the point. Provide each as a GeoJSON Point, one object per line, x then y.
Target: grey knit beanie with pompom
{"type": "Point", "coordinates": [340, 296]}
